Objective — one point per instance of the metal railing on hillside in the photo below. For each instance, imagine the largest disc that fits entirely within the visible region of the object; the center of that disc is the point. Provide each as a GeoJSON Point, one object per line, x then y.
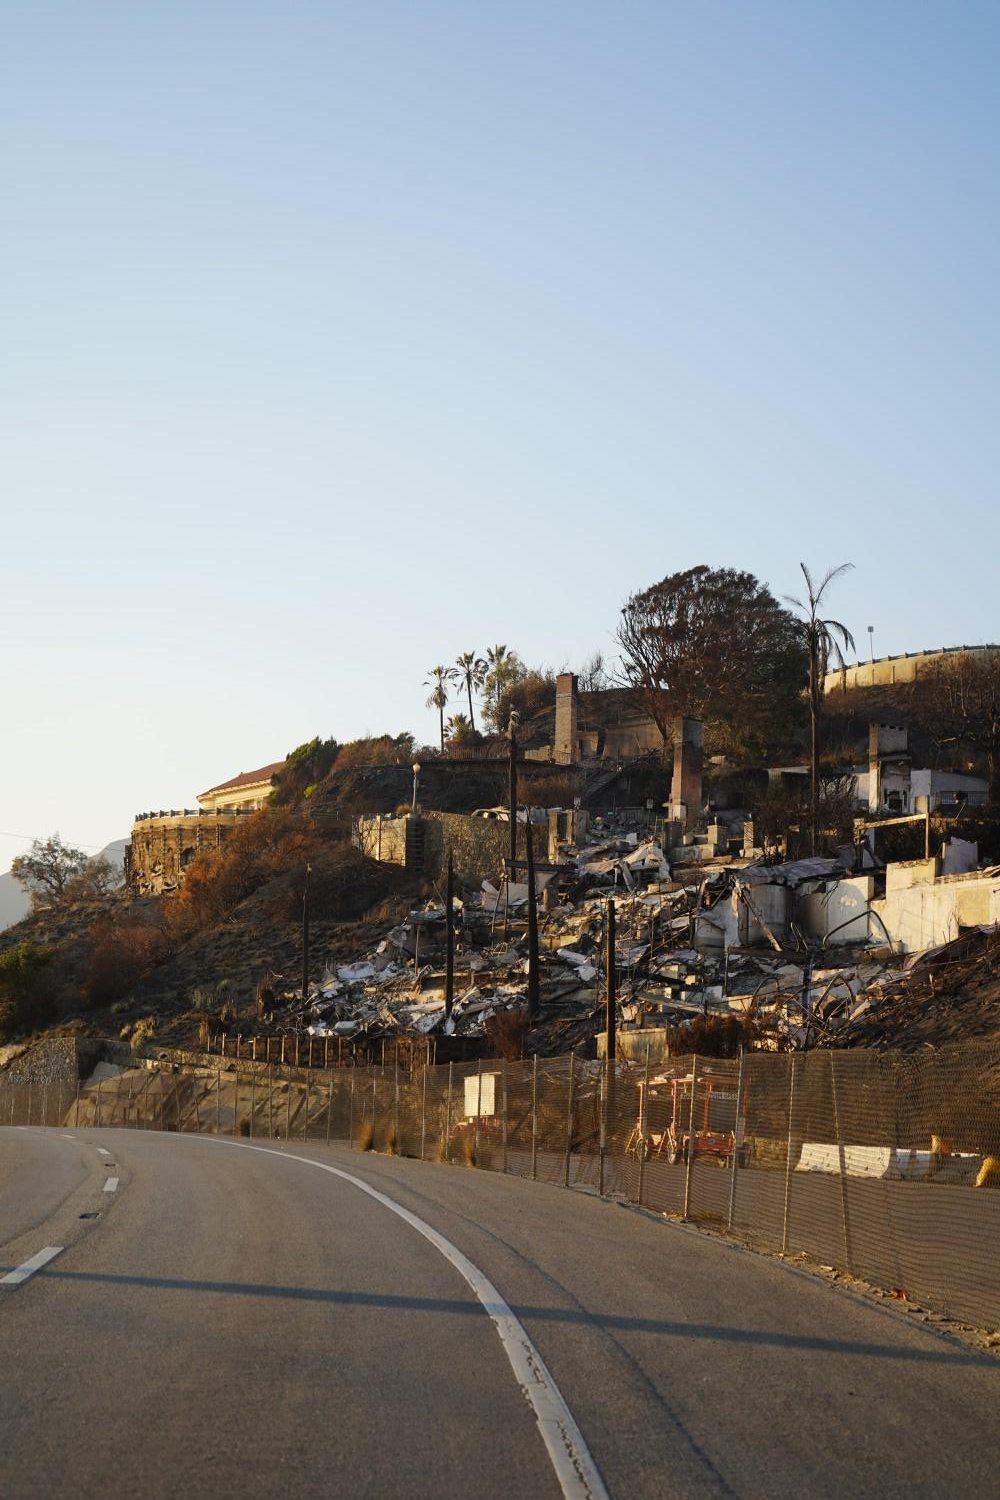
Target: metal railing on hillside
{"type": "Point", "coordinates": [877, 1164]}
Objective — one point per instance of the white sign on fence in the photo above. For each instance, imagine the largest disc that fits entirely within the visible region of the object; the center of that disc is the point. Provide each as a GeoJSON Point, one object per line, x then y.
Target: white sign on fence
{"type": "Point", "coordinates": [480, 1095]}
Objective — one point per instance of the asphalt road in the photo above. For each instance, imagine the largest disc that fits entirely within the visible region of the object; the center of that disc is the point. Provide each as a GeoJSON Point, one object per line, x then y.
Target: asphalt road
{"type": "Point", "coordinates": [236, 1322]}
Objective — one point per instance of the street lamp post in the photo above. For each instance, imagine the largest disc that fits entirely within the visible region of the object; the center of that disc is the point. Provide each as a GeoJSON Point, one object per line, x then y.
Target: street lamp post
{"type": "Point", "coordinates": [416, 786]}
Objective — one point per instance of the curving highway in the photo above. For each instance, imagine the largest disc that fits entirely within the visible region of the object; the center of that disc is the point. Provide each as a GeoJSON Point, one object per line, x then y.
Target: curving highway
{"type": "Point", "coordinates": [189, 1316]}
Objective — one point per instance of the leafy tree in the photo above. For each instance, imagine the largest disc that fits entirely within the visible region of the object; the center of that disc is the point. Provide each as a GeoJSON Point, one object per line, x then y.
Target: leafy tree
{"type": "Point", "coordinates": [438, 682]}
{"type": "Point", "coordinates": [472, 671]}
{"type": "Point", "coordinates": [25, 993]}
{"type": "Point", "coordinates": [533, 690]}
{"type": "Point", "coordinates": [714, 644]}
{"type": "Point", "coordinates": [825, 642]}
{"type": "Point", "coordinates": [48, 868]}
{"type": "Point", "coordinates": [503, 669]}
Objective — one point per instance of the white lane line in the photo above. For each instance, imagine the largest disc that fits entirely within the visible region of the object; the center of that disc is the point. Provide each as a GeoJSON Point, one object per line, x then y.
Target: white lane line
{"type": "Point", "coordinates": [22, 1272]}
{"type": "Point", "coordinates": [101, 1151]}
{"type": "Point", "coordinates": [68, 1137]}
{"type": "Point", "coordinates": [111, 1185]}
{"type": "Point", "coordinates": [576, 1472]}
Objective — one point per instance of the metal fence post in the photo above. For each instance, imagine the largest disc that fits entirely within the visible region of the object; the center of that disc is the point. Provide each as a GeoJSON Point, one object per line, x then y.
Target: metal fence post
{"type": "Point", "coordinates": [569, 1116]}
{"type": "Point", "coordinates": [374, 1102]}
{"type": "Point", "coordinates": [253, 1098]}
{"type": "Point", "coordinates": [479, 1109]}
{"type": "Point", "coordinates": [288, 1109]}
{"type": "Point", "coordinates": [842, 1162]}
{"type": "Point", "coordinates": [447, 1127]}
{"type": "Point", "coordinates": [28, 1117]}
{"type": "Point", "coordinates": [45, 1103]}
{"type": "Point", "coordinates": [643, 1144]}
{"type": "Point", "coordinates": [534, 1119]}
{"type": "Point", "coordinates": [305, 1109]}
{"type": "Point", "coordinates": [786, 1212]}
{"type": "Point", "coordinates": [329, 1113]}
{"type": "Point", "coordinates": [736, 1143]}
{"type": "Point", "coordinates": [76, 1117]}
{"type": "Point", "coordinates": [218, 1104]}
{"type": "Point", "coordinates": [602, 1123]}
{"type": "Point", "coordinates": [423, 1112]}
{"type": "Point", "coordinates": [270, 1106]}
{"type": "Point", "coordinates": [350, 1112]}
{"type": "Point", "coordinates": [689, 1163]}
{"type": "Point", "coordinates": [503, 1108]}
{"type": "Point", "coordinates": [236, 1102]}
{"type": "Point", "coordinates": [395, 1099]}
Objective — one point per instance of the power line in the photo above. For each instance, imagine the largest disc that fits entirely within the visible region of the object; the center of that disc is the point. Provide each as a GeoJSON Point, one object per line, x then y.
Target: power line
{"type": "Point", "coordinates": [30, 837]}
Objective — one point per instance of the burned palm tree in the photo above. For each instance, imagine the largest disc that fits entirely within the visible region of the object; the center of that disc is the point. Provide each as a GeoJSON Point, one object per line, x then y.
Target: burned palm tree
{"type": "Point", "coordinates": [825, 641]}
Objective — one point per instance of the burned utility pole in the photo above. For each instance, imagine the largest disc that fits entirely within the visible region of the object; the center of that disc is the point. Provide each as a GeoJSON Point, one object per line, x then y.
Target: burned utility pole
{"type": "Point", "coordinates": [305, 935]}
{"type": "Point", "coordinates": [512, 798]}
{"type": "Point", "coordinates": [533, 988]}
{"type": "Point", "coordinates": [449, 937]}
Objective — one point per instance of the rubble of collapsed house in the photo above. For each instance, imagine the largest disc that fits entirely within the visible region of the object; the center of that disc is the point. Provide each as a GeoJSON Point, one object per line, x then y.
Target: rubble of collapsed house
{"type": "Point", "coordinates": [793, 952]}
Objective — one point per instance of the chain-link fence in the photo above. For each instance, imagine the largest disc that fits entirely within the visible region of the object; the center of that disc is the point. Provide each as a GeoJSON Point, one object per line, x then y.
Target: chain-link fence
{"type": "Point", "coordinates": [877, 1164]}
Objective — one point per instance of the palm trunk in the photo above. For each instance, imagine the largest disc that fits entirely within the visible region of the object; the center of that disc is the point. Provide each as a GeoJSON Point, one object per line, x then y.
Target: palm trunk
{"type": "Point", "coordinates": [472, 717]}
{"type": "Point", "coordinates": [813, 752]}
{"type": "Point", "coordinates": [441, 713]}
{"type": "Point", "coordinates": [814, 766]}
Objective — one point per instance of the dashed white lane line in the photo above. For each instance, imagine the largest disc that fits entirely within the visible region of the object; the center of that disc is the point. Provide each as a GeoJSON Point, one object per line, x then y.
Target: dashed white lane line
{"type": "Point", "coordinates": [576, 1472]}
{"type": "Point", "coordinates": [101, 1151]}
{"type": "Point", "coordinates": [68, 1137]}
{"type": "Point", "coordinates": [111, 1185]}
{"type": "Point", "coordinates": [22, 1272]}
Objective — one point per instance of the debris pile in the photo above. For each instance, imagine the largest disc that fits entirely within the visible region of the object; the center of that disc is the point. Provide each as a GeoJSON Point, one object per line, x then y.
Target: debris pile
{"type": "Point", "coordinates": [728, 938]}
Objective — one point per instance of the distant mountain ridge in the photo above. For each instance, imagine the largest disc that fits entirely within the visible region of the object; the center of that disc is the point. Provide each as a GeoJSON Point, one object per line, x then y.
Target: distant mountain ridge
{"type": "Point", "coordinates": [15, 902]}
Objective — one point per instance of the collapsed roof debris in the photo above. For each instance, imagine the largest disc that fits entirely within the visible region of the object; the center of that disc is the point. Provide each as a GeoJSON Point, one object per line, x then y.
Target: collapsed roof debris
{"type": "Point", "coordinates": [798, 953]}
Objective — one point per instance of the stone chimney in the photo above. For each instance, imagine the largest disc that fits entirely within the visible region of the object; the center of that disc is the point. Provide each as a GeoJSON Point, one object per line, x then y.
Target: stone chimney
{"type": "Point", "coordinates": [565, 745]}
{"type": "Point", "coordinates": [685, 789]}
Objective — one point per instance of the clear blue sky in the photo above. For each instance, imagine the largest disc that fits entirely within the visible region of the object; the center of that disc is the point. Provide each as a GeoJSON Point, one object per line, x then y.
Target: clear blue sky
{"type": "Point", "coordinates": [339, 338]}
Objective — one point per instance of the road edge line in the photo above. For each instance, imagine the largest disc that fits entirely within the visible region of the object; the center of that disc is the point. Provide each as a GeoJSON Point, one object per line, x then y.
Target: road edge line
{"type": "Point", "coordinates": [576, 1471]}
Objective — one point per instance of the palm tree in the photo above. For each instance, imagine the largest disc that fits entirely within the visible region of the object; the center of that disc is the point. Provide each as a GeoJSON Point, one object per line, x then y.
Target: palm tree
{"type": "Point", "coordinates": [438, 683]}
{"type": "Point", "coordinates": [472, 671]}
{"type": "Point", "coordinates": [825, 642]}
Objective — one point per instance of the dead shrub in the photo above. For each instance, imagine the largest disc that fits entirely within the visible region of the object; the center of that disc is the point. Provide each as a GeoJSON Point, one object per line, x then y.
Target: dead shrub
{"type": "Point", "coordinates": [343, 884]}
{"type": "Point", "coordinates": [505, 1033]}
{"type": "Point", "coordinates": [545, 789]}
{"type": "Point", "coordinates": [391, 1141]}
{"type": "Point", "coordinates": [267, 844]}
{"type": "Point", "coordinates": [714, 1036]}
{"type": "Point", "coordinates": [365, 1137]}
{"type": "Point", "coordinates": [122, 952]}
{"type": "Point", "coordinates": [468, 1141]}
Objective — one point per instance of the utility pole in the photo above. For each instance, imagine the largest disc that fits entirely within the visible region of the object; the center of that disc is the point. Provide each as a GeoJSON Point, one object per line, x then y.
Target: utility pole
{"type": "Point", "coordinates": [512, 798]}
{"type": "Point", "coordinates": [305, 935]}
{"type": "Point", "coordinates": [533, 996]}
{"type": "Point", "coordinates": [449, 937]}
